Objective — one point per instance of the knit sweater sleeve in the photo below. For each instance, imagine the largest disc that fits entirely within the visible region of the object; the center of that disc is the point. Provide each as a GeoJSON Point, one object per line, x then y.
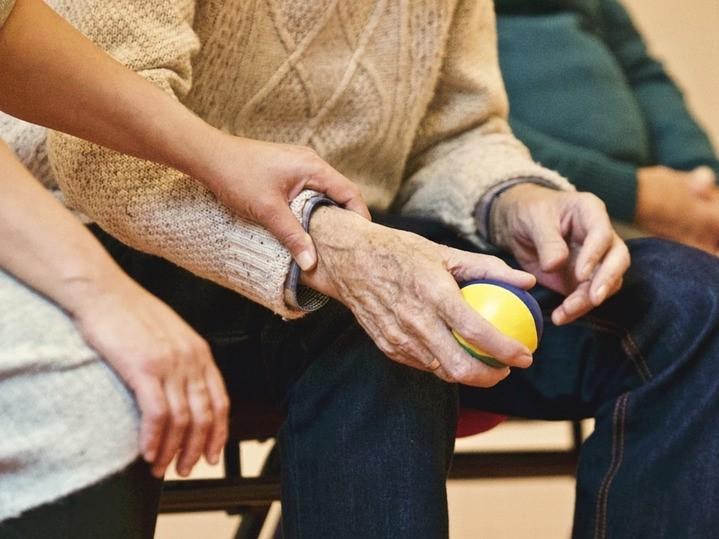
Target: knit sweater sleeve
{"type": "Point", "coordinates": [677, 139]}
{"type": "Point", "coordinates": [5, 9]}
{"type": "Point", "coordinates": [151, 207]}
{"type": "Point", "coordinates": [464, 147]}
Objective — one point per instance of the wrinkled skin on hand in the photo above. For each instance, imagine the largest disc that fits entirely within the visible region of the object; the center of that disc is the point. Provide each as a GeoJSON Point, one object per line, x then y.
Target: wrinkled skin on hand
{"type": "Point", "coordinates": [566, 240]}
{"type": "Point", "coordinates": [403, 291]}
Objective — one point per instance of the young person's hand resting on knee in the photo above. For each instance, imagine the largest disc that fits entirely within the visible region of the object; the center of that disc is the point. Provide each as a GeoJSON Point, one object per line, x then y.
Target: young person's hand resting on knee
{"type": "Point", "coordinates": [166, 364]}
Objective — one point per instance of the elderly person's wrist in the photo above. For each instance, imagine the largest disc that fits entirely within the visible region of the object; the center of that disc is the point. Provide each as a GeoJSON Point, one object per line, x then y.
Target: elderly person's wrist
{"type": "Point", "coordinates": [489, 213]}
{"type": "Point", "coordinates": [337, 234]}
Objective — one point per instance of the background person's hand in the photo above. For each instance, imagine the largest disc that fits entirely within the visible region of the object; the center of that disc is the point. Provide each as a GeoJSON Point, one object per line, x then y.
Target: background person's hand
{"type": "Point", "coordinates": [257, 179]}
{"type": "Point", "coordinates": [566, 240]}
{"type": "Point", "coordinates": [169, 367]}
{"type": "Point", "coordinates": [681, 206]}
{"type": "Point", "coordinates": [403, 291]}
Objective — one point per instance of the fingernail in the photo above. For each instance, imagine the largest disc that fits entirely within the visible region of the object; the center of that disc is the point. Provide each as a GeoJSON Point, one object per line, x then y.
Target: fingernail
{"type": "Point", "coordinates": [149, 455]}
{"type": "Point", "coordinates": [586, 271]}
{"type": "Point", "coordinates": [305, 260]}
{"type": "Point", "coordinates": [214, 458]}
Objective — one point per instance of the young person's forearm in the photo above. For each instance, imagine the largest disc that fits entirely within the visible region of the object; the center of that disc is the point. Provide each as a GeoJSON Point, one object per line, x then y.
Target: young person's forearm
{"type": "Point", "coordinates": [51, 75]}
{"type": "Point", "coordinates": [65, 269]}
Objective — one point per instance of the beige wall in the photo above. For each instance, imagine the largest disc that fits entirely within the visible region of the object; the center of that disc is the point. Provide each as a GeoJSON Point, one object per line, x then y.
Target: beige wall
{"type": "Point", "coordinates": [686, 36]}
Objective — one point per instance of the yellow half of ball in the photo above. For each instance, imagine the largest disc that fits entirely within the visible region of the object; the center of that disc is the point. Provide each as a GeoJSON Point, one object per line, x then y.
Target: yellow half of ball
{"type": "Point", "coordinates": [504, 310]}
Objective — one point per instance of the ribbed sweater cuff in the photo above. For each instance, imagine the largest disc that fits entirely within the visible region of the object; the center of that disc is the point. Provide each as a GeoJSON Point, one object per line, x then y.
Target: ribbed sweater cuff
{"type": "Point", "coordinates": [255, 258]}
{"type": "Point", "coordinates": [5, 9]}
{"type": "Point", "coordinates": [483, 211]}
{"type": "Point", "coordinates": [296, 295]}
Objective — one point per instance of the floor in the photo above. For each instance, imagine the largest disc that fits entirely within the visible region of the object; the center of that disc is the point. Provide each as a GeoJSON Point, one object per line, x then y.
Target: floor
{"type": "Point", "coordinates": [511, 508]}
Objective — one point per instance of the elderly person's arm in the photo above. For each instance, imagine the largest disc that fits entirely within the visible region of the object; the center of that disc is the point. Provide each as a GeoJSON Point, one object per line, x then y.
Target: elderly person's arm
{"type": "Point", "coordinates": [469, 172]}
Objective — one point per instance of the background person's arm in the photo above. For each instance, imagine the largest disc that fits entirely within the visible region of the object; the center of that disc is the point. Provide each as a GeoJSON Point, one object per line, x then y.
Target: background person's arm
{"type": "Point", "coordinates": [683, 206]}
{"type": "Point", "coordinates": [52, 75]}
{"type": "Point", "coordinates": [678, 141]}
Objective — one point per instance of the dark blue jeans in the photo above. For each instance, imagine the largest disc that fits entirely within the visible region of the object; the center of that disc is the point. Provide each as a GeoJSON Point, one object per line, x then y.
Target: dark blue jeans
{"type": "Point", "coordinates": [367, 443]}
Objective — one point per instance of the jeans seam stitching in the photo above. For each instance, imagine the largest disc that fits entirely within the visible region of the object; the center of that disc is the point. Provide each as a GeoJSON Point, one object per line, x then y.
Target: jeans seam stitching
{"type": "Point", "coordinates": [629, 345]}
{"type": "Point", "coordinates": [618, 423]}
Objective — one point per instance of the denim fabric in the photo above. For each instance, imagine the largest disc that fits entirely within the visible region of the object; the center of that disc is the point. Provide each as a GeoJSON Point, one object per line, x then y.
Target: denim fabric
{"type": "Point", "coordinates": [367, 443]}
{"type": "Point", "coordinates": [645, 366]}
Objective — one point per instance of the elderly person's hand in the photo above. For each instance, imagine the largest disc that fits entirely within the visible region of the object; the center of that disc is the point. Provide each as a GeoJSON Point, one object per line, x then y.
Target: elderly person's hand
{"type": "Point", "coordinates": [403, 291]}
{"type": "Point", "coordinates": [566, 240]}
{"type": "Point", "coordinates": [678, 205]}
{"type": "Point", "coordinates": [169, 367]}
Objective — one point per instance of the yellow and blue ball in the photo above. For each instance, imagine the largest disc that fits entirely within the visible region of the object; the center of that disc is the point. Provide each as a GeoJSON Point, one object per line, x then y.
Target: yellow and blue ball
{"type": "Point", "coordinates": [511, 310]}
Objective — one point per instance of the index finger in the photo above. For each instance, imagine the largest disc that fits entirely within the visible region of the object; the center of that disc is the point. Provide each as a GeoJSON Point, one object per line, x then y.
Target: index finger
{"type": "Point", "coordinates": [153, 415]}
{"type": "Point", "coordinates": [466, 266]}
{"type": "Point", "coordinates": [610, 272]}
{"type": "Point", "coordinates": [596, 245]}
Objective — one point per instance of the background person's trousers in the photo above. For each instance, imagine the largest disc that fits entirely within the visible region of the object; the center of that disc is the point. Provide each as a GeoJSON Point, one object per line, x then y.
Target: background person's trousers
{"type": "Point", "coordinates": [367, 442]}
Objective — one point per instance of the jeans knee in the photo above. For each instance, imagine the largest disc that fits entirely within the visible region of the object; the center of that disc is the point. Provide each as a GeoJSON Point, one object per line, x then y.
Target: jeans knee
{"type": "Point", "coordinates": [679, 280]}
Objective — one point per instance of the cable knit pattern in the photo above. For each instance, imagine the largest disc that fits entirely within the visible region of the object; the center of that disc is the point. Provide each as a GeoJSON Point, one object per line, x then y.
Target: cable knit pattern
{"type": "Point", "coordinates": [405, 98]}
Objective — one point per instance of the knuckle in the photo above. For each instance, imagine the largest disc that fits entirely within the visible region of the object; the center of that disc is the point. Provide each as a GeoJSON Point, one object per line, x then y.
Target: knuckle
{"type": "Point", "coordinates": [394, 336]}
{"type": "Point", "coordinates": [158, 413]}
{"type": "Point", "coordinates": [202, 348]}
{"type": "Point", "coordinates": [459, 371]}
{"type": "Point", "coordinates": [156, 362]}
{"type": "Point", "coordinates": [262, 209]}
{"type": "Point", "coordinates": [180, 419]}
{"type": "Point", "coordinates": [222, 406]}
{"type": "Point", "coordinates": [203, 420]}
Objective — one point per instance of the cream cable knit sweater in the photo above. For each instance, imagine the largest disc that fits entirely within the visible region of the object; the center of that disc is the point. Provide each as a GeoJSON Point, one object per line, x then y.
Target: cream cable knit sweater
{"type": "Point", "coordinates": [405, 98]}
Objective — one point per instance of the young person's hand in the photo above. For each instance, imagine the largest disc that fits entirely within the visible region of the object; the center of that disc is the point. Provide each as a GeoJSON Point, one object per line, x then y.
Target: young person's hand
{"type": "Point", "coordinates": [169, 367]}
{"type": "Point", "coordinates": [256, 180]}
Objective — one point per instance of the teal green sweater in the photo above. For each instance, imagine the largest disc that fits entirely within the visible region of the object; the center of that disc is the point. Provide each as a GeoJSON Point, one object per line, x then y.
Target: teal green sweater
{"type": "Point", "coordinates": [589, 100]}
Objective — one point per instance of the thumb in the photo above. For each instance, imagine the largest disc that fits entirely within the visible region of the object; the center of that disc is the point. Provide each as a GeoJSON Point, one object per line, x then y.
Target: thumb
{"type": "Point", "coordinates": [289, 232]}
{"type": "Point", "coordinates": [701, 181]}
